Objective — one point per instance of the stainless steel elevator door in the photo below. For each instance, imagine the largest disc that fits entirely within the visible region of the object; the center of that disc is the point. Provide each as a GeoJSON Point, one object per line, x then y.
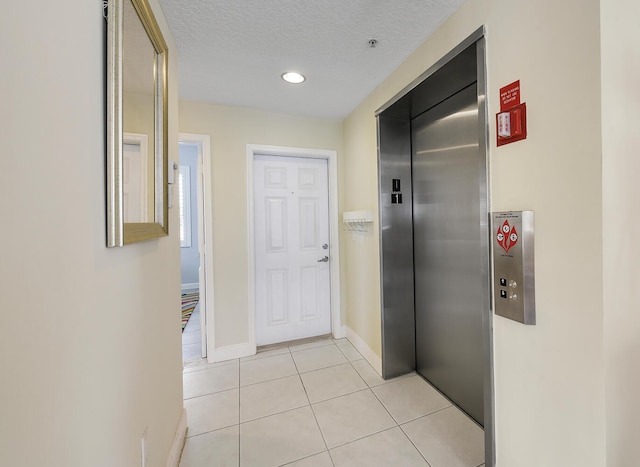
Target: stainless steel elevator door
{"type": "Point", "coordinates": [448, 249]}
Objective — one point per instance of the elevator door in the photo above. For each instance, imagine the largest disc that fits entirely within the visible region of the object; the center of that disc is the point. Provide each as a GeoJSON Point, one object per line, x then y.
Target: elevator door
{"type": "Point", "coordinates": [448, 225]}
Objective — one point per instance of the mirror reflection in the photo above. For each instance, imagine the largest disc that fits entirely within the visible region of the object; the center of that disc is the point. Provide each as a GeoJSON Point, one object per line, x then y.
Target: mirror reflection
{"type": "Point", "coordinates": [138, 119]}
{"type": "Point", "coordinates": [136, 124]}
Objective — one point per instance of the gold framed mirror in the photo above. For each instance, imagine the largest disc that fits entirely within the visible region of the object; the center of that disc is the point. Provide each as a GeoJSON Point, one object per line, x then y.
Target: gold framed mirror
{"type": "Point", "coordinates": [137, 142]}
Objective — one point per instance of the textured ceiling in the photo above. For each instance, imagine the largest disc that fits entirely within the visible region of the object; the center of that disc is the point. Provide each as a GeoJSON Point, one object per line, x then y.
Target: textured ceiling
{"type": "Point", "coordinates": [234, 51]}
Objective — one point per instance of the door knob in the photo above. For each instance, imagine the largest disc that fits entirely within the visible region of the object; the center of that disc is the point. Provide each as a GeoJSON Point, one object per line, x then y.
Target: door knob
{"type": "Point", "coordinates": [323, 260]}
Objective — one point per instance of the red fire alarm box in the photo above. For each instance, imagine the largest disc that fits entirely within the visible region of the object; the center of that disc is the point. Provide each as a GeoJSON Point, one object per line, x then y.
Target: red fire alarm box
{"type": "Point", "coordinates": [511, 121]}
{"type": "Point", "coordinates": [511, 125]}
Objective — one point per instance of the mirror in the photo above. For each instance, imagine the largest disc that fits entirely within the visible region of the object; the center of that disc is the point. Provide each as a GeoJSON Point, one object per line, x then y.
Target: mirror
{"type": "Point", "coordinates": [137, 167]}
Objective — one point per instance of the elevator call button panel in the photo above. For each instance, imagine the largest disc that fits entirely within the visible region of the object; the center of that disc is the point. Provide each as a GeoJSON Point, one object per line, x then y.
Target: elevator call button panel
{"type": "Point", "coordinates": [514, 275]}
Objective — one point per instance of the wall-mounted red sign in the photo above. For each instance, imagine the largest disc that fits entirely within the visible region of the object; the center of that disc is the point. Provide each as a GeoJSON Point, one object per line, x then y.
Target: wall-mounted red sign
{"type": "Point", "coordinates": [510, 96]}
{"type": "Point", "coordinates": [511, 121]}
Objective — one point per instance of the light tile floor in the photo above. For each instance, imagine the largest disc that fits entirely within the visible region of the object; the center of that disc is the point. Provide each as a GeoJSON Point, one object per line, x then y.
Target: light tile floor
{"type": "Point", "coordinates": [320, 404]}
{"type": "Point", "coordinates": [191, 338]}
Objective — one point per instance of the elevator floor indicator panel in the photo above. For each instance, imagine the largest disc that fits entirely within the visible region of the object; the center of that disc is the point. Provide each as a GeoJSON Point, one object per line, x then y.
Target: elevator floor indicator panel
{"type": "Point", "coordinates": [514, 274]}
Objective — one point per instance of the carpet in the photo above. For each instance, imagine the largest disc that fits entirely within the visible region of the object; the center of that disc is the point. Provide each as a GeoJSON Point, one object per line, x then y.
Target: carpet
{"type": "Point", "coordinates": [189, 302]}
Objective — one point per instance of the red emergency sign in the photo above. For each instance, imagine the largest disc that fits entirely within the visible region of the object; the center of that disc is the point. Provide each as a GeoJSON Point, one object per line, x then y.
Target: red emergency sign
{"type": "Point", "coordinates": [511, 121]}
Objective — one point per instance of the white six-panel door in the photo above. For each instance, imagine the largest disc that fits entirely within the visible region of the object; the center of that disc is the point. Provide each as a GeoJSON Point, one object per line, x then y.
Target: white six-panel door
{"type": "Point", "coordinates": [292, 252]}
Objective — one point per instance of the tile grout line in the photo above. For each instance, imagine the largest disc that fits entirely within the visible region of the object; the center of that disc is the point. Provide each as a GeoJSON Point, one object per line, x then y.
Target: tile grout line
{"type": "Point", "coordinates": [423, 416]}
{"type": "Point", "coordinates": [210, 431]}
{"type": "Point", "coordinates": [269, 380]}
{"type": "Point", "coordinates": [369, 388]}
{"type": "Point", "coordinates": [258, 356]}
{"type": "Point", "coordinates": [295, 365]}
{"type": "Point", "coordinates": [272, 379]}
{"type": "Point", "coordinates": [323, 368]}
{"type": "Point", "coordinates": [413, 420]}
{"type": "Point", "coordinates": [290, 353]}
{"type": "Point", "coordinates": [310, 404]}
{"type": "Point", "coordinates": [341, 395]}
{"type": "Point", "coordinates": [331, 458]}
{"type": "Point", "coordinates": [384, 406]}
{"type": "Point", "coordinates": [305, 457]}
{"type": "Point", "coordinates": [429, 414]}
{"type": "Point", "coordinates": [414, 444]}
{"type": "Point", "coordinates": [369, 435]}
{"type": "Point", "coordinates": [312, 348]}
{"type": "Point", "coordinates": [209, 366]}
{"type": "Point", "coordinates": [262, 417]}
{"type": "Point", "coordinates": [209, 394]}
{"type": "Point", "coordinates": [400, 426]}
{"type": "Point", "coordinates": [312, 411]}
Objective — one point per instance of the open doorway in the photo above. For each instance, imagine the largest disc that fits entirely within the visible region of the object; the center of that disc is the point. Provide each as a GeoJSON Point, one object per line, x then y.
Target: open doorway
{"type": "Point", "coordinates": [195, 227]}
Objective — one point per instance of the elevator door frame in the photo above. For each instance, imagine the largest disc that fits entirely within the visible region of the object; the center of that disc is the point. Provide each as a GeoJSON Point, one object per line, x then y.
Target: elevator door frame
{"type": "Point", "coordinates": [394, 153]}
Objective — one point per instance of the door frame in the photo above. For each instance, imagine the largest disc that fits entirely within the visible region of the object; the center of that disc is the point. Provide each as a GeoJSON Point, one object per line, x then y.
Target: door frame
{"type": "Point", "coordinates": [143, 141]}
{"type": "Point", "coordinates": [331, 156]}
{"type": "Point", "coordinates": [205, 243]}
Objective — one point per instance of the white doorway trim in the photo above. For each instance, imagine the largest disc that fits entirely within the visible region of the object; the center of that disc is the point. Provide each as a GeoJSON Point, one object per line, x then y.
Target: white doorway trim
{"type": "Point", "coordinates": [142, 141]}
{"type": "Point", "coordinates": [205, 239]}
{"type": "Point", "coordinates": [332, 161]}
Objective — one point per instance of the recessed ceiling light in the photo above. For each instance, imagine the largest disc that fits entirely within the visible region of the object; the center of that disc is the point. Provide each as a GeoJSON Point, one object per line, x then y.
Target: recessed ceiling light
{"type": "Point", "coordinates": [293, 77]}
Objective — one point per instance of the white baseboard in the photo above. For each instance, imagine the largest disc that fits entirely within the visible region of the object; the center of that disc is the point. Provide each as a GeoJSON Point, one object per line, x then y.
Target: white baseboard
{"type": "Point", "coordinates": [362, 347]}
{"type": "Point", "coordinates": [194, 285]}
{"type": "Point", "coordinates": [229, 352]}
{"type": "Point", "coordinates": [178, 441]}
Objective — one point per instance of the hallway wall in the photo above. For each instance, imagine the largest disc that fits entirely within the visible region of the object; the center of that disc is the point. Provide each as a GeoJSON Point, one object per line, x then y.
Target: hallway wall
{"type": "Point", "coordinates": [231, 129]}
{"type": "Point", "coordinates": [620, 39]}
{"type": "Point", "coordinates": [548, 378]}
{"type": "Point", "coordinates": [89, 336]}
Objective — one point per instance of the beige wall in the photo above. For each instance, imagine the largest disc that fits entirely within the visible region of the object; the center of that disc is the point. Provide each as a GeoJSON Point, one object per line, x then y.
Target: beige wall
{"type": "Point", "coordinates": [548, 377]}
{"type": "Point", "coordinates": [89, 336]}
{"type": "Point", "coordinates": [231, 129]}
{"type": "Point", "coordinates": [621, 226]}
{"type": "Point", "coordinates": [362, 263]}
